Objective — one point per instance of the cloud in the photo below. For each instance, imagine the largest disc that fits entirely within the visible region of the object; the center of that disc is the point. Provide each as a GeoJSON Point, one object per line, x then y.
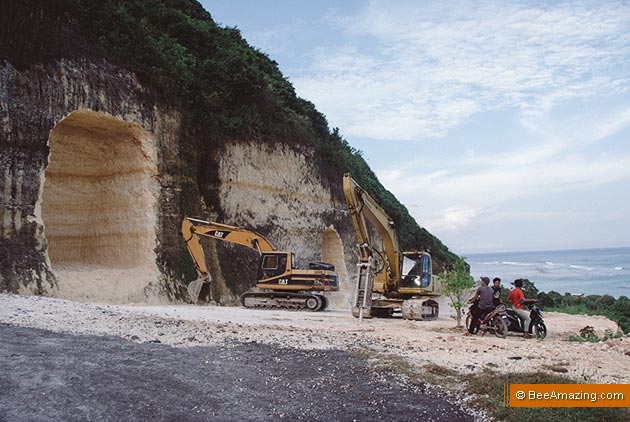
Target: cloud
{"type": "Point", "coordinates": [506, 107]}
{"type": "Point", "coordinates": [563, 154]}
{"type": "Point", "coordinates": [454, 218]}
{"type": "Point", "coordinates": [412, 72]}
{"type": "Point", "coordinates": [448, 200]}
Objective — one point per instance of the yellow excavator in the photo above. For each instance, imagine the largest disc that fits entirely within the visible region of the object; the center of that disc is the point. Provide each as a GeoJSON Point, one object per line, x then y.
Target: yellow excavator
{"type": "Point", "coordinates": [388, 280]}
{"type": "Point", "coordinates": [284, 286]}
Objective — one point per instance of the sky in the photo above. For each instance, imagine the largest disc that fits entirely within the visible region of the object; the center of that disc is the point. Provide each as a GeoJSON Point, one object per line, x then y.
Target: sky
{"type": "Point", "coordinates": [500, 125]}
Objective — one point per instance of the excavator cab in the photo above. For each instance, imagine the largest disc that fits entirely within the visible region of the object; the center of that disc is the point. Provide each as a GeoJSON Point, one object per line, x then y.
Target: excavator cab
{"type": "Point", "coordinates": [273, 264]}
{"type": "Point", "coordinates": [416, 271]}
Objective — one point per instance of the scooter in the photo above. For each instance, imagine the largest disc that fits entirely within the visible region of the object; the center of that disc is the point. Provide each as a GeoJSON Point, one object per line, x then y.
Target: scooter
{"type": "Point", "coordinates": [515, 324]}
{"type": "Point", "coordinates": [493, 322]}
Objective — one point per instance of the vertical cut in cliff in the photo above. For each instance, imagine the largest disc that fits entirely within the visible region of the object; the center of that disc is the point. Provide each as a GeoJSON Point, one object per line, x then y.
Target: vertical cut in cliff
{"type": "Point", "coordinates": [99, 208]}
{"type": "Point", "coordinates": [333, 253]}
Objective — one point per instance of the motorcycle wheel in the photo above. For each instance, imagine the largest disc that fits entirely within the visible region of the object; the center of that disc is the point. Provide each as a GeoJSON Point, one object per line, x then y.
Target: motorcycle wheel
{"type": "Point", "coordinates": [540, 330]}
{"type": "Point", "coordinates": [468, 321]}
{"type": "Point", "coordinates": [500, 327]}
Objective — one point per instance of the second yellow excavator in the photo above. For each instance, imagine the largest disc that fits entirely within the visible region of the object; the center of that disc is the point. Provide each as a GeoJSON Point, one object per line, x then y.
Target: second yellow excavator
{"type": "Point", "coordinates": [399, 280]}
{"type": "Point", "coordinates": [284, 286]}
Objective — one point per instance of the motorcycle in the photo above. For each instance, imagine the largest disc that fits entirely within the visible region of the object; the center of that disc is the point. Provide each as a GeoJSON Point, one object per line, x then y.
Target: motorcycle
{"type": "Point", "coordinates": [537, 325]}
{"type": "Point", "coordinates": [493, 322]}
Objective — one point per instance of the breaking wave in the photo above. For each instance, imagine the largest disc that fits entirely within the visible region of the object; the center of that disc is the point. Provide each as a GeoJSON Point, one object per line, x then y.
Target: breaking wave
{"type": "Point", "coordinates": [581, 267]}
{"type": "Point", "coordinates": [587, 271]}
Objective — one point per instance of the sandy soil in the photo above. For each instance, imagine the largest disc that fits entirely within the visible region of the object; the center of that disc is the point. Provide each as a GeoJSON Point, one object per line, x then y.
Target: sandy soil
{"type": "Point", "coordinates": [420, 342]}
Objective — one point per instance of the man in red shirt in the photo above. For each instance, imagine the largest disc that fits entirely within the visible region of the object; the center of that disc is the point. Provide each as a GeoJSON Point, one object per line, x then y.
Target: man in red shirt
{"type": "Point", "coordinates": [516, 297]}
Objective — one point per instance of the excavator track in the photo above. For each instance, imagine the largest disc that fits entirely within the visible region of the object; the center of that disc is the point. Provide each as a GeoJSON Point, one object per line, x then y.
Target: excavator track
{"type": "Point", "coordinates": [285, 301]}
{"type": "Point", "coordinates": [418, 309]}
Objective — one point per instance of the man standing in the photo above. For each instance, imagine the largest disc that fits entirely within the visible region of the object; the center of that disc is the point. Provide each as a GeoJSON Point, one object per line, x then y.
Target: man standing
{"type": "Point", "coordinates": [484, 294]}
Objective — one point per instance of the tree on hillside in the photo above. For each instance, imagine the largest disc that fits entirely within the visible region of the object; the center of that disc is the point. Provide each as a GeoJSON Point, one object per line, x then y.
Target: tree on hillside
{"type": "Point", "coordinates": [455, 283]}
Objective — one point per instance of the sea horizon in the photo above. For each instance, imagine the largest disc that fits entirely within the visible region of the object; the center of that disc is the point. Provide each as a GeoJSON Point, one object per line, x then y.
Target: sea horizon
{"type": "Point", "coordinates": [465, 254]}
{"type": "Point", "coordinates": [576, 271]}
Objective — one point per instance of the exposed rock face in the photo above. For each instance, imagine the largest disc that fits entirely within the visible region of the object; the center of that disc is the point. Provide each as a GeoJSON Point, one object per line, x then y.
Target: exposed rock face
{"type": "Point", "coordinates": [99, 207]}
{"type": "Point", "coordinates": [282, 191]}
{"type": "Point", "coordinates": [94, 188]}
{"type": "Point", "coordinates": [80, 187]}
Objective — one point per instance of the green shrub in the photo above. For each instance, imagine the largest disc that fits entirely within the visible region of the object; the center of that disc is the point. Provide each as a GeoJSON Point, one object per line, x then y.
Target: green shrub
{"type": "Point", "coordinates": [617, 310]}
{"type": "Point", "coordinates": [605, 301]}
{"type": "Point", "coordinates": [455, 283]}
{"type": "Point", "coordinates": [529, 290]}
{"type": "Point", "coordinates": [545, 300]}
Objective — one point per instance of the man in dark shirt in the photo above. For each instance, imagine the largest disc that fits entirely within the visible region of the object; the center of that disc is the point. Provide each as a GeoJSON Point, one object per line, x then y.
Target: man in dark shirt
{"type": "Point", "coordinates": [484, 294]}
{"type": "Point", "coordinates": [496, 292]}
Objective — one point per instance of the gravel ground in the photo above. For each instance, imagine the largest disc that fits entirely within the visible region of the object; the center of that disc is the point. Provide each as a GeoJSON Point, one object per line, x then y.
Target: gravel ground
{"type": "Point", "coordinates": [277, 363]}
{"type": "Point", "coordinates": [57, 376]}
{"type": "Point", "coordinates": [49, 376]}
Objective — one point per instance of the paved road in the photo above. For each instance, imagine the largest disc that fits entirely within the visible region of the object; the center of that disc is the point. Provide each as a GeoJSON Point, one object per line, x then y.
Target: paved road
{"type": "Point", "coordinates": [46, 376]}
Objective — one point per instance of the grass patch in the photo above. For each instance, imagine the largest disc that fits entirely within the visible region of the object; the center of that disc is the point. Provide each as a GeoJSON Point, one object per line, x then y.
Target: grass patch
{"type": "Point", "coordinates": [388, 364]}
{"type": "Point", "coordinates": [588, 335]}
{"type": "Point", "coordinates": [383, 364]}
{"type": "Point", "coordinates": [487, 388]}
{"type": "Point", "coordinates": [440, 370]}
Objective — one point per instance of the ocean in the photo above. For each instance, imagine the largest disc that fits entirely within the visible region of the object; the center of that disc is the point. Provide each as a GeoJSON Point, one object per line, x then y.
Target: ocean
{"type": "Point", "coordinates": [586, 271]}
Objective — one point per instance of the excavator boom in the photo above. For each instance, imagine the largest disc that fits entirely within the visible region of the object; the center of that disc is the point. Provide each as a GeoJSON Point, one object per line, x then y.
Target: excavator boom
{"type": "Point", "coordinates": [364, 208]}
{"type": "Point", "coordinates": [192, 228]}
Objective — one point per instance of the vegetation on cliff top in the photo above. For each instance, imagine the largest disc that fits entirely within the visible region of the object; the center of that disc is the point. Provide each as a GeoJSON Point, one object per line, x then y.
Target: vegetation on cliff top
{"type": "Point", "coordinates": [227, 87]}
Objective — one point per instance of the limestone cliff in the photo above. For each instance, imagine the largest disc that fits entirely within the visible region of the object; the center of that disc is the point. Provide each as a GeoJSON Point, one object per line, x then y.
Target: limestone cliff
{"type": "Point", "coordinates": [93, 182]}
{"type": "Point", "coordinates": [85, 159]}
{"type": "Point", "coordinates": [100, 163]}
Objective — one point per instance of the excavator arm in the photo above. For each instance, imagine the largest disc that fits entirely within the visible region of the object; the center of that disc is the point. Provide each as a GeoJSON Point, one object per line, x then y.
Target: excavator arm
{"type": "Point", "coordinates": [192, 228]}
{"type": "Point", "coordinates": [407, 277]}
{"type": "Point", "coordinates": [363, 207]}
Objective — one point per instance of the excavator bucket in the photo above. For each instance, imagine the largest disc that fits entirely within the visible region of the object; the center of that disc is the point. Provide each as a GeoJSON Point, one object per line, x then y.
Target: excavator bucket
{"type": "Point", "coordinates": [194, 289]}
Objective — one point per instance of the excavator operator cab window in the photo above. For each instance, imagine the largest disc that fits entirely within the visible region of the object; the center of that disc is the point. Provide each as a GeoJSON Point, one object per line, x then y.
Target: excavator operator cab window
{"type": "Point", "coordinates": [272, 265]}
{"type": "Point", "coordinates": [270, 262]}
{"type": "Point", "coordinates": [416, 272]}
{"type": "Point", "coordinates": [426, 271]}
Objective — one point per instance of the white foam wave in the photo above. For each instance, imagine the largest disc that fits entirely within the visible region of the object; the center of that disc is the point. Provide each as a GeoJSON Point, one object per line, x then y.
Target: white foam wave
{"type": "Point", "coordinates": [549, 263]}
{"type": "Point", "coordinates": [522, 264]}
{"type": "Point", "coordinates": [581, 267]}
{"type": "Point", "coordinates": [618, 268]}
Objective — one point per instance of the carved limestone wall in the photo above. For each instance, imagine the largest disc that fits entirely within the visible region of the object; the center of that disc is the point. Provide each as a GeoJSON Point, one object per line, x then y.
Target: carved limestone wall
{"type": "Point", "coordinates": [96, 176]}
{"type": "Point", "coordinates": [99, 208]}
{"type": "Point", "coordinates": [280, 191]}
{"type": "Point", "coordinates": [82, 148]}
